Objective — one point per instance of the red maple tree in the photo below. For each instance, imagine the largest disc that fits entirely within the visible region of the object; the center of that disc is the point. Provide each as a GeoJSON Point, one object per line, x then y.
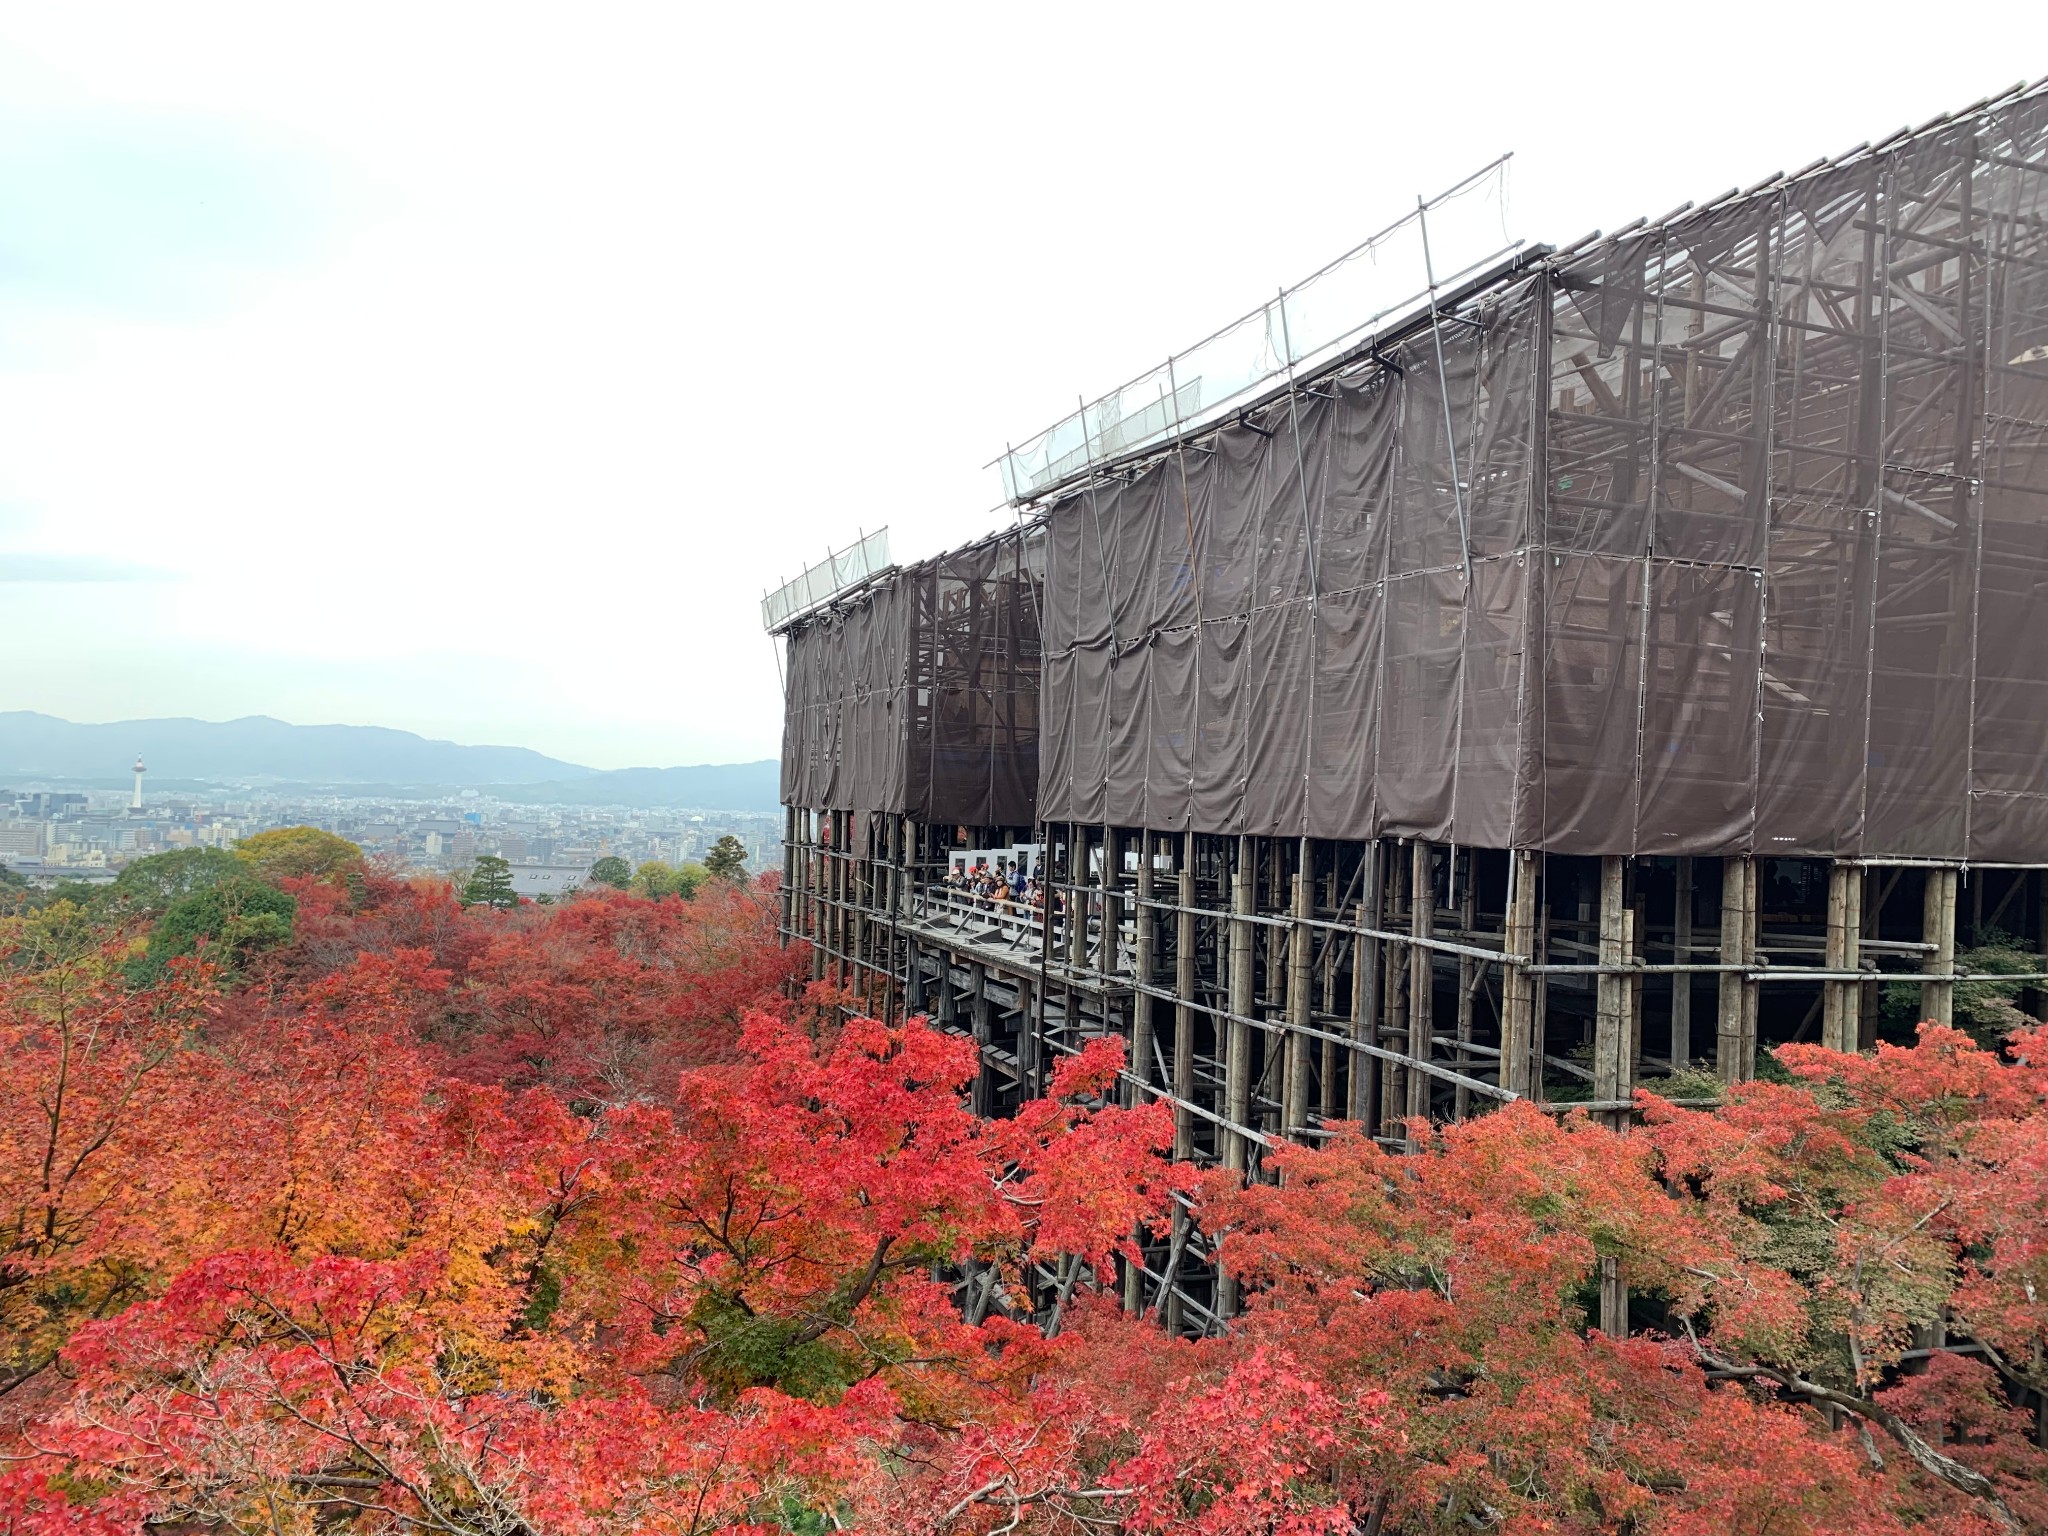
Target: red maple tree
{"type": "Point", "coordinates": [572, 1220]}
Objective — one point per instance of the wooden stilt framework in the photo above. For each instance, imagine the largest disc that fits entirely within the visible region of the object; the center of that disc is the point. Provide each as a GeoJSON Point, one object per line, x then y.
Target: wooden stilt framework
{"type": "Point", "coordinates": [1268, 987]}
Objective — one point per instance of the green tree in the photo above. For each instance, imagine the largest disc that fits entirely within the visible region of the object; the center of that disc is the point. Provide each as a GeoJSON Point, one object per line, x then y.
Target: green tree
{"type": "Point", "coordinates": [283, 852]}
{"type": "Point", "coordinates": [727, 859]}
{"type": "Point", "coordinates": [153, 884]}
{"type": "Point", "coordinates": [613, 871]}
{"type": "Point", "coordinates": [657, 881]}
{"type": "Point", "coordinates": [654, 880]}
{"type": "Point", "coordinates": [489, 884]}
{"type": "Point", "coordinates": [233, 919]}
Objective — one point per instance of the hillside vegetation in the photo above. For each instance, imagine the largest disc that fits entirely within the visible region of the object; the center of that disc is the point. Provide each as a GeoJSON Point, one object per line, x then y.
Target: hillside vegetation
{"type": "Point", "coordinates": [330, 1204]}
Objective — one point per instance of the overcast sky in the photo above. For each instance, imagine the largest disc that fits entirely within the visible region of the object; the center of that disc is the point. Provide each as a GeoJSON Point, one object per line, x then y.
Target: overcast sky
{"type": "Point", "coordinates": [473, 369]}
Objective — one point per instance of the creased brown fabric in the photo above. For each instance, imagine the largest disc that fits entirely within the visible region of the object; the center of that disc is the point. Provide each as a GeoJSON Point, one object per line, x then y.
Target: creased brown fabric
{"type": "Point", "coordinates": [1731, 536]}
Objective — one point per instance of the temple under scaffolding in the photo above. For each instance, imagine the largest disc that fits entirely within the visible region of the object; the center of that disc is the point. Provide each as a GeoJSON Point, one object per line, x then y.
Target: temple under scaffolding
{"type": "Point", "coordinates": [1629, 656]}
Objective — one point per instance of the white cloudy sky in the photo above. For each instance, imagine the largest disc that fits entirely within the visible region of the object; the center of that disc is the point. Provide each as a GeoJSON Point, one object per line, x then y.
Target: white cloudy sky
{"type": "Point", "coordinates": [471, 369]}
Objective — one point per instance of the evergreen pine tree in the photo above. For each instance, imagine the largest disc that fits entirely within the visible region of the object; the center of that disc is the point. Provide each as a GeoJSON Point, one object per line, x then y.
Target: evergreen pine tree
{"type": "Point", "coordinates": [489, 884]}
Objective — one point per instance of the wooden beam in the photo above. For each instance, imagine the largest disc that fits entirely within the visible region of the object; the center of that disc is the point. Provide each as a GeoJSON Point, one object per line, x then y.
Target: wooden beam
{"type": "Point", "coordinates": [1366, 979]}
{"type": "Point", "coordinates": [1938, 927]}
{"type": "Point", "coordinates": [1613, 1020]}
{"type": "Point", "coordinates": [1468, 984]}
{"type": "Point", "coordinates": [1300, 948]}
{"type": "Point", "coordinates": [1681, 953]}
{"type": "Point", "coordinates": [1421, 974]}
{"type": "Point", "coordinates": [1841, 1001]}
{"type": "Point", "coordinates": [1518, 987]}
{"type": "Point", "coordinates": [1184, 1009]}
{"type": "Point", "coordinates": [1394, 995]}
{"type": "Point", "coordinates": [1145, 924]}
{"type": "Point", "coordinates": [1237, 1058]}
{"type": "Point", "coordinates": [1735, 1049]}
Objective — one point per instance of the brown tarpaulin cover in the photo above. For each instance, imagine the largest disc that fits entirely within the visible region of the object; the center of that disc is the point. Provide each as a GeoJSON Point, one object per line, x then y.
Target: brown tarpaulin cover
{"type": "Point", "coordinates": [920, 693]}
{"type": "Point", "coordinates": [1746, 550]}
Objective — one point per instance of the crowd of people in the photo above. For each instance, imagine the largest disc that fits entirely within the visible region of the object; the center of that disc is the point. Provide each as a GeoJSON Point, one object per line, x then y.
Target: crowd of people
{"type": "Point", "coordinates": [1003, 887]}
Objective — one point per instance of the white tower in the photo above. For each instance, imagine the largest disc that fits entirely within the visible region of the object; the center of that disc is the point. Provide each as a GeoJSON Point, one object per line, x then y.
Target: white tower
{"type": "Point", "coordinates": [135, 800]}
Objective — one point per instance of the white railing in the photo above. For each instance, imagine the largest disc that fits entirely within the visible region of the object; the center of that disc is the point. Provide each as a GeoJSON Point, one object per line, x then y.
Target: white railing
{"type": "Point", "coordinates": [1021, 926]}
{"type": "Point", "coordinates": [1385, 282]}
{"type": "Point", "coordinates": [840, 569]}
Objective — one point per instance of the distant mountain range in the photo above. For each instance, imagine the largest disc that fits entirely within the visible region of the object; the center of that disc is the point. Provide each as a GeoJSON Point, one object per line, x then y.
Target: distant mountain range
{"type": "Point", "coordinates": [258, 749]}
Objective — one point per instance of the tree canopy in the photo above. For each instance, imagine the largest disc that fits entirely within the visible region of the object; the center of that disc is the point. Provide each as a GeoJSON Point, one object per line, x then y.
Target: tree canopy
{"type": "Point", "coordinates": [727, 859]}
{"type": "Point", "coordinates": [285, 852]}
{"type": "Point", "coordinates": [425, 1218]}
{"type": "Point", "coordinates": [656, 881]}
{"type": "Point", "coordinates": [231, 919]}
{"type": "Point", "coordinates": [613, 871]}
{"type": "Point", "coordinates": [151, 884]}
{"type": "Point", "coordinates": [489, 883]}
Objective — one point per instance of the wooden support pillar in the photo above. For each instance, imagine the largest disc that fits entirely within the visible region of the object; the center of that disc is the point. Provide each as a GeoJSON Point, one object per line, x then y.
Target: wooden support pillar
{"type": "Point", "coordinates": [1394, 996]}
{"type": "Point", "coordinates": [1237, 1059]}
{"type": "Point", "coordinates": [1237, 1063]}
{"type": "Point", "coordinates": [1109, 902]}
{"type": "Point", "coordinates": [1077, 898]}
{"type": "Point", "coordinates": [1614, 1028]}
{"type": "Point", "coordinates": [1518, 987]}
{"type": "Point", "coordinates": [1031, 1052]}
{"type": "Point", "coordinates": [842, 973]}
{"type": "Point", "coordinates": [1735, 1044]}
{"type": "Point", "coordinates": [1300, 978]}
{"type": "Point", "coordinates": [788, 869]}
{"type": "Point", "coordinates": [1841, 1001]}
{"type": "Point", "coordinates": [1364, 1079]}
{"type": "Point", "coordinates": [814, 888]}
{"type": "Point", "coordinates": [914, 999]}
{"type": "Point", "coordinates": [1638, 926]}
{"type": "Point", "coordinates": [1145, 927]}
{"type": "Point", "coordinates": [1681, 954]}
{"type": "Point", "coordinates": [1184, 1001]}
{"type": "Point", "coordinates": [1613, 1020]}
{"type": "Point", "coordinates": [860, 971]}
{"type": "Point", "coordinates": [1468, 984]}
{"type": "Point", "coordinates": [1421, 976]}
{"type": "Point", "coordinates": [1938, 927]}
{"type": "Point", "coordinates": [979, 1010]}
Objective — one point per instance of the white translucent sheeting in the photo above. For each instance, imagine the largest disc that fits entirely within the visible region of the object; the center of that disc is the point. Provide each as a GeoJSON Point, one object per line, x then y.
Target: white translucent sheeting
{"type": "Point", "coordinates": [1381, 284]}
{"type": "Point", "coordinates": [832, 575]}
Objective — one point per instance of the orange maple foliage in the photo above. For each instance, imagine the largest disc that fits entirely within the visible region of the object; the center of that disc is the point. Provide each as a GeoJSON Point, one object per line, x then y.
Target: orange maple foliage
{"type": "Point", "coordinates": [572, 1220]}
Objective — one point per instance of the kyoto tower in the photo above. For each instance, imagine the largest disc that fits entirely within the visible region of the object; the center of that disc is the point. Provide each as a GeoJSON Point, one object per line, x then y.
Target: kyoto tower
{"type": "Point", "coordinates": [135, 800]}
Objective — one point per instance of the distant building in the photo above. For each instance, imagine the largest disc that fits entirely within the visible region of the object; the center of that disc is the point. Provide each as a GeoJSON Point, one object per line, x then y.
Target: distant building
{"type": "Point", "coordinates": [45, 803]}
{"type": "Point", "coordinates": [546, 879]}
{"type": "Point", "coordinates": [21, 839]}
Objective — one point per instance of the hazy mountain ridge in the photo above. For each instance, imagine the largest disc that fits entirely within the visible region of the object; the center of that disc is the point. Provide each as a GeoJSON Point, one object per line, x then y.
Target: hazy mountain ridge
{"type": "Point", "coordinates": [259, 747]}
{"type": "Point", "coordinates": [374, 759]}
